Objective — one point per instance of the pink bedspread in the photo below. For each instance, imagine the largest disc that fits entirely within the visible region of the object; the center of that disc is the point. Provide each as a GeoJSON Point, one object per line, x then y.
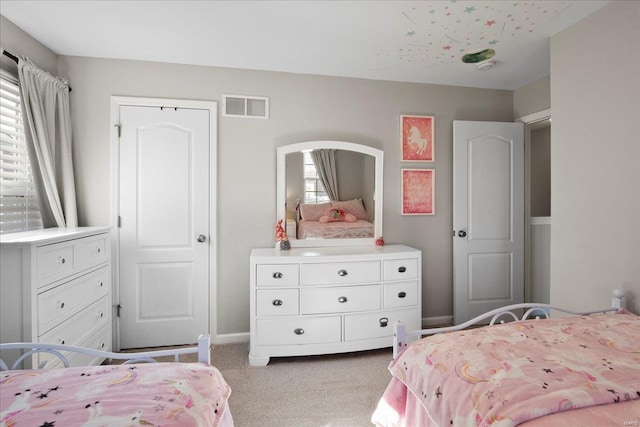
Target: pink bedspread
{"type": "Point", "coordinates": [334, 230]}
{"type": "Point", "coordinates": [158, 394]}
{"type": "Point", "coordinates": [508, 374]}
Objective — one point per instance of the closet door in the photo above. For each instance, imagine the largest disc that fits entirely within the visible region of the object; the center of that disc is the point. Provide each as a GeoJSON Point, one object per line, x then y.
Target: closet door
{"type": "Point", "coordinates": [164, 229]}
{"type": "Point", "coordinates": [488, 217]}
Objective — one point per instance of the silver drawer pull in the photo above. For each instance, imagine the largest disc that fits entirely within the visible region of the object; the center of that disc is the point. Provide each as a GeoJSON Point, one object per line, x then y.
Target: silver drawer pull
{"type": "Point", "coordinates": [61, 341]}
{"type": "Point", "coordinates": [277, 275]}
{"type": "Point", "coordinates": [342, 299]}
{"type": "Point", "coordinates": [402, 294]}
{"type": "Point", "coordinates": [342, 273]}
{"type": "Point", "coordinates": [102, 345]}
{"type": "Point", "coordinates": [100, 314]}
{"type": "Point", "coordinates": [277, 302]}
{"type": "Point", "coordinates": [298, 331]}
{"type": "Point", "coordinates": [383, 322]}
{"type": "Point", "coordinates": [100, 284]}
{"type": "Point", "coordinates": [98, 250]}
{"type": "Point", "coordinates": [60, 305]}
{"type": "Point", "coordinates": [61, 260]}
{"type": "Point", "coordinates": [402, 269]}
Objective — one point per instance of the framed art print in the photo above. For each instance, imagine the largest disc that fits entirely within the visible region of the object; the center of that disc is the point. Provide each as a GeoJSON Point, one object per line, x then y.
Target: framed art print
{"type": "Point", "coordinates": [416, 136]}
{"type": "Point", "coordinates": [418, 191]}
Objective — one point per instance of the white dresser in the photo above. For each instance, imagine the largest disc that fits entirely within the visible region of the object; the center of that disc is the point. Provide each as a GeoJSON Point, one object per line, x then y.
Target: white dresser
{"type": "Point", "coordinates": [55, 287]}
{"type": "Point", "coordinates": [331, 299]}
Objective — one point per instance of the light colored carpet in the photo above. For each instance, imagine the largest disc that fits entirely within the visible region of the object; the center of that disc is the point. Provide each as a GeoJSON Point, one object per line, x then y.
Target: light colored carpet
{"type": "Point", "coordinates": [315, 391]}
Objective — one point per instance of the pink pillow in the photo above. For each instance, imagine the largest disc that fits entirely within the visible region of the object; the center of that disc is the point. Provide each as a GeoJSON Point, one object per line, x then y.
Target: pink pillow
{"type": "Point", "coordinates": [311, 212]}
{"type": "Point", "coordinates": [336, 215]}
{"type": "Point", "coordinates": [355, 207]}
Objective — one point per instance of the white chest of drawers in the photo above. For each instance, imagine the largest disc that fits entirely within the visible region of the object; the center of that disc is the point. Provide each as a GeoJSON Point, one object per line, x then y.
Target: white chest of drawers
{"type": "Point", "coordinates": [331, 299]}
{"type": "Point", "coordinates": [55, 287]}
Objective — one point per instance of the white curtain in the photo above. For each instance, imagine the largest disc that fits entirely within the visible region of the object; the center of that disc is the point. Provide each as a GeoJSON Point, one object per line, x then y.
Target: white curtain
{"type": "Point", "coordinates": [325, 162]}
{"type": "Point", "coordinates": [45, 100]}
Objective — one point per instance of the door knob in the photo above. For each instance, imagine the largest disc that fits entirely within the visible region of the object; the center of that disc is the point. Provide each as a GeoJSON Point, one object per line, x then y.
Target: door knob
{"type": "Point", "coordinates": [202, 238]}
{"type": "Point", "coordinates": [462, 233]}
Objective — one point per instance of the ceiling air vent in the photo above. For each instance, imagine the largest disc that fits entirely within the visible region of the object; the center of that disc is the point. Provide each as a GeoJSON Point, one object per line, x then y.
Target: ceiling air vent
{"type": "Point", "coordinates": [246, 106]}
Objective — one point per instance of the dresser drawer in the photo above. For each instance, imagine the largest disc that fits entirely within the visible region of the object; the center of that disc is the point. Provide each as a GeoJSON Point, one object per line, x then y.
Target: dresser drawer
{"type": "Point", "coordinates": [101, 340]}
{"type": "Point", "coordinates": [315, 330]}
{"type": "Point", "coordinates": [400, 269]}
{"type": "Point", "coordinates": [54, 262]}
{"type": "Point", "coordinates": [277, 302]}
{"type": "Point", "coordinates": [63, 301]}
{"type": "Point", "coordinates": [79, 326]}
{"type": "Point", "coordinates": [403, 294]}
{"type": "Point", "coordinates": [334, 273]}
{"type": "Point", "coordinates": [343, 299]}
{"type": "Point", "coordinates": [378, 325]}
{"type": "Point", "coordinates": [277, 275]}
{"type": "Point", "coordinates": [91, 251]}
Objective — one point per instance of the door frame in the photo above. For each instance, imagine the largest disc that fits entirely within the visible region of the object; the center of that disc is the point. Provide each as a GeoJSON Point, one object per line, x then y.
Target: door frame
{"type": "Point", "coordinates": [114, 190]}
{"type": "Point", "coordinates": [529, 120]}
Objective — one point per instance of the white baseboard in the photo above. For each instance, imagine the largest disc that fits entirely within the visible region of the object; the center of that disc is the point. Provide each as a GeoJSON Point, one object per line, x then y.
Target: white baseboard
{"type": "Point", "coordinates": [437, 321]}
{"type": "Point", "coordinates": [230, 338]}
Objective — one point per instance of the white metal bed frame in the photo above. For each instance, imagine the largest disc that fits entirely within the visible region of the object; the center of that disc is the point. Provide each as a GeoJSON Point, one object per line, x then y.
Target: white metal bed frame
{"type": "Point", "coordinates": [401, 335]}
{"type": "Point", "coordinates": [202, 350]}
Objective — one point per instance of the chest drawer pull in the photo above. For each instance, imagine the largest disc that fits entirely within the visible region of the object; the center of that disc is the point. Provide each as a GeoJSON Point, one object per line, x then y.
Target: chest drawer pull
{"type": "Point", "coordinates": [343, 299]}
{"type": "Point", "coordinates": [402, 294]}
{"type": "Point", "coordinates": [61, 260]}
{"type": "Point", "coordinates": [60, 305]}
{"type": "Point", "coordinates": [277, 302]}
{"type": "Point", "coordinates": [402, 269]}
{"type": "Point", "coordinates": [298, 331]}
{"type": "Point", "coordinates": [277, 275]}
{"type": "Point", "coordinates": [342, 273]}
{"type": "Point", "coordinates": [384, 322]}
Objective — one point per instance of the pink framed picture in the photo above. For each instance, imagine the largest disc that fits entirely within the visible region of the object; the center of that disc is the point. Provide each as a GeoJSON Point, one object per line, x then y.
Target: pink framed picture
{"type": "Point", "coordinates": [417, 137]}
{"type": "Point", "coordinates": [418, 191]}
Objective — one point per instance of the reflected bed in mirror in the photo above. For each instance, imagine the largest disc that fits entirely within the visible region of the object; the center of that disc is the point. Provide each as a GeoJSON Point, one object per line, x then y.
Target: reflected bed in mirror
{"type": "Point", "coordinates": [330, 193]}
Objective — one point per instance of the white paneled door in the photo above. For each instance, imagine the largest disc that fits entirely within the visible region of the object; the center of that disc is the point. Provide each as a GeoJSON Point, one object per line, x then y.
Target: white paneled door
{"type": "Point", "coordinates": [164, 225]}
{"type": "Point", "coordinates": [488, 217]}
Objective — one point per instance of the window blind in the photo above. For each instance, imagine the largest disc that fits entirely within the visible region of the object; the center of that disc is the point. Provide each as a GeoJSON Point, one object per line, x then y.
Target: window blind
{"type": "Point", "coordinates": [19, 209]}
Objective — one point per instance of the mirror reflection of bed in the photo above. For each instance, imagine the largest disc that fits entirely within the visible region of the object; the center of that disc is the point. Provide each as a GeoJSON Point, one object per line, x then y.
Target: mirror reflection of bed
{"type": "Point", "coordinates": [329, 191]}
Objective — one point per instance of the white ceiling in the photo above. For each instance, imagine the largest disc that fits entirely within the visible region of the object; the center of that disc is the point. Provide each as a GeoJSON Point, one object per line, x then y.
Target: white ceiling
{"type": "Point", "coordinates": [410, 41]}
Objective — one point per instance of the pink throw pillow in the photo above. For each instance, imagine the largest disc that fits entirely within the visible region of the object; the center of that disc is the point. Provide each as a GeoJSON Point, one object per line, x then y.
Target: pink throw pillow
{"type": "Point", "coordinates": [311, 212]}
{"type": "Point", "coordinates": [355, 207]}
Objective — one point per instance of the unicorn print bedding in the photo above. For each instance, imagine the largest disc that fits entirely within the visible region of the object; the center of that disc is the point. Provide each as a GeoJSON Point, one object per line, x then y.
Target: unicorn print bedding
{"type": "Point", "coordinates": [158, 394]}
{"type": "Point", "coordinates": [581, 369]}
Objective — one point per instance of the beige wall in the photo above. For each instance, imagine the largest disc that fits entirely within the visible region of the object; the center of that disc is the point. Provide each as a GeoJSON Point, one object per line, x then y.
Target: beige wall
{"type": "Point", "coordinates": [540, 175]}
{"type": "Point", "coordinates": [17, 42]}
{"type": "Point", "coordinates": [303, 107]}
{"type": "Point", "coordinates": [531, 98]}
{"type": "Point", "coordinates": [595, 168]}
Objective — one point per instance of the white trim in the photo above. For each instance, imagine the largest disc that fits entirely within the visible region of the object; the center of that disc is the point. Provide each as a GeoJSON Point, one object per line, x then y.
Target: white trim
{"type": "Point", "coordinates": [535, 117]}
{"type": "Point", "coordinates": [540, 220]}
{"type": "Point", "coordinates": [529, 120]}
{"type": "Point", "coordinates": [239, 337]}
{"type": "Point", "coordinates": [437, 321]}
{"type": "Point", "coordinates": [212, 106]}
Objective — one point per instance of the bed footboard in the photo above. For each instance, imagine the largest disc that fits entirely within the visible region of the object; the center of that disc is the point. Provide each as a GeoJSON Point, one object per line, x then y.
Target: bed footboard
{"type": "Point", "coordinates": [202, 350]}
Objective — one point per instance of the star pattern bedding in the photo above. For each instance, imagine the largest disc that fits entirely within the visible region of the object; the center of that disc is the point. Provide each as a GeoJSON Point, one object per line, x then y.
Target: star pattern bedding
{"type": "Point", "coordinates": [153, 394]}
{"type": "Point", "coordinates": [504, 375]}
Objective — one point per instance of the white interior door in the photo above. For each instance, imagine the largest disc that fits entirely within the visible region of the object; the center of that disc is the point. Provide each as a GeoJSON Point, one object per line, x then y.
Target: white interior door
{"type": "Point", "coordinates": [164, 229]}
{"type": "Point", "coordinates": [488, 217]}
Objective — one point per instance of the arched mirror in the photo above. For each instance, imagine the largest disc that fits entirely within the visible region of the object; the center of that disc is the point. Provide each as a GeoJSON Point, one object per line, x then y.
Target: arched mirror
{"type": "Point", "coordinates": [330, 193]}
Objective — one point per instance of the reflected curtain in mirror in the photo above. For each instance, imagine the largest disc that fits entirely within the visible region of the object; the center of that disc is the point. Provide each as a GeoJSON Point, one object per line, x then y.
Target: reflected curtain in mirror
{"type": "Point", "coordinates": [325, 161]}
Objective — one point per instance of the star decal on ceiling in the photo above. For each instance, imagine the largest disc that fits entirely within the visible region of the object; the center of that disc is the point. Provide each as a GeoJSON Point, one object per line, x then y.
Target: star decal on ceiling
{"type": "Point", "coordinates": [490, 23]}
{"type": "Point", "coordinates": [410, 33]}
{"type": "Point", "coordinates": [469, 9]}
